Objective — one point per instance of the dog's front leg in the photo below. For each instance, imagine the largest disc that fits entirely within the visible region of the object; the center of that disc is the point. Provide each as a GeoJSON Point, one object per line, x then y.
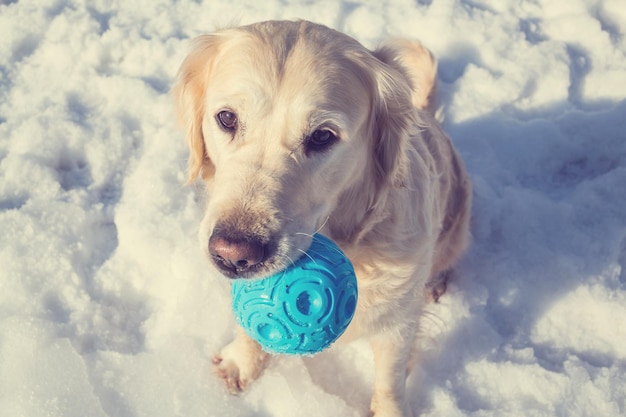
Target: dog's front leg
{"type": "Point", "coordinates": [391, 354]}
{"type": "Point", "coordinates": [240, 362]}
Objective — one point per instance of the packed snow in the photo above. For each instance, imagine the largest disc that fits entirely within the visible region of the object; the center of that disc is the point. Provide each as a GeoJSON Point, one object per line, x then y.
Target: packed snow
{"type": "Point", "coordinates": [108, 307]}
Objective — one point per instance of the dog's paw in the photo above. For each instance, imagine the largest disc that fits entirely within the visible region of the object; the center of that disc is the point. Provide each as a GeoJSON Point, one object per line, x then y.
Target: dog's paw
{"type": "Point", "coordinates": [388, 406]}
{"type": "Point", "coordinates": [229, 373]}
{"type": "Point", "coordinates": [391, 413]}
{"type": "Point", "coordinates": [239, 364]}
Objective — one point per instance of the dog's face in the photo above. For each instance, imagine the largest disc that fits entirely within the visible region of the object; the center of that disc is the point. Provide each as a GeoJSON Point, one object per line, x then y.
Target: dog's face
{"type": "Point", "coordinates": [281, 123]}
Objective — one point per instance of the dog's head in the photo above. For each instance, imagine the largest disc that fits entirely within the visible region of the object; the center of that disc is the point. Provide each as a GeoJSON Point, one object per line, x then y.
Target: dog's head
{"type": "Point", "coordinates": [286, 120]}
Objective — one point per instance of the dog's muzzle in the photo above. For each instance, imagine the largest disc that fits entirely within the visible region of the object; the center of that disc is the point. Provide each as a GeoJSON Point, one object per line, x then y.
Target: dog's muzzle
{"type": "Point", "coordinates": [238, 255]}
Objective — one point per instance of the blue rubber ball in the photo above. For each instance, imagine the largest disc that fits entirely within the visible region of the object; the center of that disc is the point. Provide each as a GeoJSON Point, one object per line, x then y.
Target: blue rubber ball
{"type": "Point", "coordinates": [303, 309]}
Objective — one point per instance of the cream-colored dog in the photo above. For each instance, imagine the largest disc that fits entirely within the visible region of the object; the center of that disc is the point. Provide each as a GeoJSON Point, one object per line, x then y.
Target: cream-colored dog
{"type": "Point", "coordinates": [296, 128]}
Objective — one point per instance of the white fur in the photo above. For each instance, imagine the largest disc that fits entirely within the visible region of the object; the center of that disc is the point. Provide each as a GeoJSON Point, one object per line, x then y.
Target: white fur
{"type": "Point", "coordinates": [392, 192]}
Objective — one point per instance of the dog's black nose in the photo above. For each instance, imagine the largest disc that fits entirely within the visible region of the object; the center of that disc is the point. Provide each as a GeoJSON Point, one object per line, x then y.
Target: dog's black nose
{"type": "Point", "coordinates": [236, 255]}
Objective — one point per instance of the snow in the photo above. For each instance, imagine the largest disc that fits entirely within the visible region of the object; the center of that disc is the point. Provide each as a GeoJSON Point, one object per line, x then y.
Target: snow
{"type": "Point", "coordinates": [107, 307]}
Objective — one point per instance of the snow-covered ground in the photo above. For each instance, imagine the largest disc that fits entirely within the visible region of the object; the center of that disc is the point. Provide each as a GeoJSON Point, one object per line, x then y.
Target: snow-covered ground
{"type": "Point", "coordinates": [107, 307]}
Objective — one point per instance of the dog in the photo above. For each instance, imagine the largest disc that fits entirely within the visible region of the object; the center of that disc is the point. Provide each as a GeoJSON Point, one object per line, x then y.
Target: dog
{"type": "Point", "coordinates": [296, 128]}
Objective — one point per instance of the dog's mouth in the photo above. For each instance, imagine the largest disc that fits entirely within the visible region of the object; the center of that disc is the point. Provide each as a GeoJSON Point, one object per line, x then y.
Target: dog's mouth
{"type": "Point", "coordinates": [235, 271]}
{"type": "Point", "coordinates": [243, 269]}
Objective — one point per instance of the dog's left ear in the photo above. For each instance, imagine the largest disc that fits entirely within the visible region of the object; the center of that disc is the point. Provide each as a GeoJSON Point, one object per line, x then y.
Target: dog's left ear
{"type": "Point", "coordinates": [404, 74]}
{"type": "Point", "coordinates": [417, 64]}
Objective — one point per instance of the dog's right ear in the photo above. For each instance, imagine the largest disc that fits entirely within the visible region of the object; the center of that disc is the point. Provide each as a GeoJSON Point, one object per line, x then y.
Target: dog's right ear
{"type": "Point", "coordinates": [189, 96]}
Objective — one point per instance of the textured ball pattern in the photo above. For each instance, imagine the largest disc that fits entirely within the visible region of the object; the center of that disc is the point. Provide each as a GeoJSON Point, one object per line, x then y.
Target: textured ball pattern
{"type": "Point", "coordinates": [303, 309]}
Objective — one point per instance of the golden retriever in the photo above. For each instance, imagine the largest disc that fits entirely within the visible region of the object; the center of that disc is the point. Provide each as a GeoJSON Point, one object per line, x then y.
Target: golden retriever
{"type": "Point", "coordinates": [296, 128]}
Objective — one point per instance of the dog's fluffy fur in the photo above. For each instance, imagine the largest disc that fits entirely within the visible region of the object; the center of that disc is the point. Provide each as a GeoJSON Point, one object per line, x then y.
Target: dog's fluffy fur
{"type": "Point", "coordinates": [382, 179]}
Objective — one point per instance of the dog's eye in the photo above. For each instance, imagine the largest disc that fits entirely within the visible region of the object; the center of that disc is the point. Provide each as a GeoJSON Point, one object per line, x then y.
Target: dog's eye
{"type": "Point", "coordinates": [227, 120]}
{"type": "Point", "coordinates": [320, 140]}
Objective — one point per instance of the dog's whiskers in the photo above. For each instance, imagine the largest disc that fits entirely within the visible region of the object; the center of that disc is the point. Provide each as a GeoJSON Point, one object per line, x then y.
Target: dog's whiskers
{"type": "Point", "coordinates": [290, 260]}
{"type": "Point", "coordinates": [323, 224]}
{"type": "Point", "coordinates": [316, 231]}
{"type": "Point", "coordinates": [309, 256]}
